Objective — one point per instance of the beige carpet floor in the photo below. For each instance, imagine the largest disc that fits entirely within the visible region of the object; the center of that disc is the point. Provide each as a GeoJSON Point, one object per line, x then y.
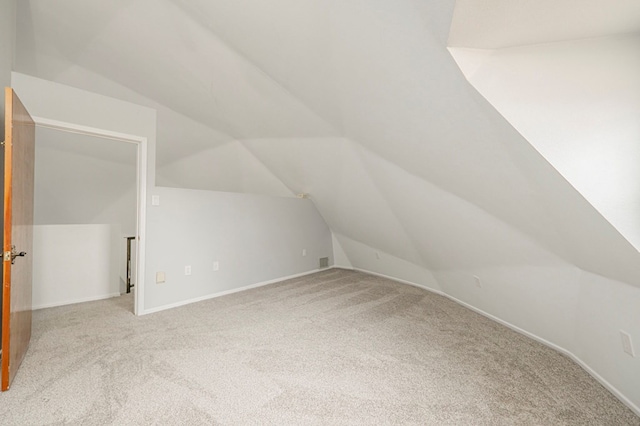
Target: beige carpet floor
{"type": "Point", "coordinates": [334, 348]}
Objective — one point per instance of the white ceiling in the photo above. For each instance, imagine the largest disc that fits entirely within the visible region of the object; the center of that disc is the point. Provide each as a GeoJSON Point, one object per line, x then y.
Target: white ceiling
{"type": "Point", "coordinates": [492, 24]}
{"type": "Point", "coordinates": [357, 103]}
{"type": "Point", "coordinates": [156, 49]}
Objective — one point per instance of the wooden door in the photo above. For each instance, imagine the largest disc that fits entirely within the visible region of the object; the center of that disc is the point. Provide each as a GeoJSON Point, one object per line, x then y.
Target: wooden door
{"type": "Point", "coordinates": [19, 151]}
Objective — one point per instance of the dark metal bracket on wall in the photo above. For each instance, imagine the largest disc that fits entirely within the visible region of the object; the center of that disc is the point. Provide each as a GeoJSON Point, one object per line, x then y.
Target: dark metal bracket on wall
{"type": "Point", "coordinates": [129, 285]}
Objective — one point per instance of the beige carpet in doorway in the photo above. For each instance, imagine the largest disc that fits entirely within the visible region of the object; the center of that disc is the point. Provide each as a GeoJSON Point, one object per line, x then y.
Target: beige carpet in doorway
{"type": "Point", "coordinates": [333, 348]}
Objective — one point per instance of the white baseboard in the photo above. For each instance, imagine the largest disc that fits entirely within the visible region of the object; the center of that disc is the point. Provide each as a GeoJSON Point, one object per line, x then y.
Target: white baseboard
{"type": "Point", "coordinates": [348, 268]}
{"type": "Point", "coordinates": [411, 283]}
{"type": "Point", "coordinates": [226, 292]}
{"type": "Point", "coordinates": [74, 301]}
{"type": "Point", "coordinates": [626, 401]}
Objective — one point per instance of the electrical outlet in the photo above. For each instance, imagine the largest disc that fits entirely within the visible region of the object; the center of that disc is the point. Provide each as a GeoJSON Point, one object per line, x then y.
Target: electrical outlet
{"type": "Point", "coordinates": [160, 277]}
{"type": "Point", "coordinates": [477, 281]}
{"type": "Point", "coordinates": [304, 252]}
{"type": "Point", "coordinates": [187, 270]}
{"type": "Point", "coordinates": [216, 266]}
{"type": "Point", "coordinates": [627, 344]}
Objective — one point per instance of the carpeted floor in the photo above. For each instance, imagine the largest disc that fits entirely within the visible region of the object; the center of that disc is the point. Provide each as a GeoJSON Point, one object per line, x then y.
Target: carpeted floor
{"type": "Point", "coordinates": [334, 348]}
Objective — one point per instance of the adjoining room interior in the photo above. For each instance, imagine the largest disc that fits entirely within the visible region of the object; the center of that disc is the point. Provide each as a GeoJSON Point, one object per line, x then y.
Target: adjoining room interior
{"type": "Point", "coordinates": [438, 196]}
{"type": "Point", "coordinates": [84, 209]}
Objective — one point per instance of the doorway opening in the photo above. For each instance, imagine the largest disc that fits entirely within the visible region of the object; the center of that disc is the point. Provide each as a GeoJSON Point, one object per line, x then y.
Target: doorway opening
{"type": "Point", "coordinates": [89, 207]}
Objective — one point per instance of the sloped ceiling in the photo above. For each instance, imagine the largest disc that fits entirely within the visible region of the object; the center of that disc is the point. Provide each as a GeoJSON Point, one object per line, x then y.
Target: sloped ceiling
{"type": "Point", "coordinates": [566, 76]}
{"type": "Point", "coordinates": [357, 103]}
{"type": "Point", "coordinates": [577, 103]}
{"type": "Point", "coordinates": [494, 24]}
{"type": "Point", "coordinates": [107, 167]}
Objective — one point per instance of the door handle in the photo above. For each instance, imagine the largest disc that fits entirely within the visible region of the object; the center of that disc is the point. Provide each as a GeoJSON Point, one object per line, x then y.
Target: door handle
{"type": "Point", "coordinates": [11, 255]}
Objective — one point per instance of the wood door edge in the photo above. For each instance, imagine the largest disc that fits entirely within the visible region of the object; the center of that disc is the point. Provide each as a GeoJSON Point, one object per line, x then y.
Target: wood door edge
{"type": "Point", "coordinates": [6, 268]}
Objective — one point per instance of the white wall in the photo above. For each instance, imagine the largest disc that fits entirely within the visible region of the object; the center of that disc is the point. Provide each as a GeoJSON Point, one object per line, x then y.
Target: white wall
{"type": "Point", "coordinates": [75, 263]}
{"type": "Point", "coordinates": [7, 58]}
{"type": "Point", "coordinates": [7, 50]}
{"type": "Point", "coordinates": [80, 179]}
{"type": "Point", "coordinates": [254, 239]}
{"type": "Point", "coordinates": [577, 103]}
{"type": "Point", "coordinates": [604, 307]}
{"type": "Point", "coordinates": [369, 259]}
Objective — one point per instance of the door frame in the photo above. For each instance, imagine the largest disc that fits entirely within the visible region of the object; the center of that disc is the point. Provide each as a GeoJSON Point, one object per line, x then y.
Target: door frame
{"type": "Point", "coordinates": [141, 182]}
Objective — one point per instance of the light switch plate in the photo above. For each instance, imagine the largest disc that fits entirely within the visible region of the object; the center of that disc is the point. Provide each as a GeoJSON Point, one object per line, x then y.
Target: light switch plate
{"type": "Point", "coordinates": [160, 277]}
{"type": "Point", "coordinates": [155, 200]}
{"type": "Point", "coordinates": [627, 344]}
{"type": "Point", "coordinates": [476, 279]}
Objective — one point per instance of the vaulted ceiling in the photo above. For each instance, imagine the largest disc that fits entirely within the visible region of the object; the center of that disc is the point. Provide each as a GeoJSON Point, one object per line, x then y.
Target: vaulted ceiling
{"type": "Point", "coordinates": [493, 24]}
{"type": "Point", "coordinates": [357, 103]}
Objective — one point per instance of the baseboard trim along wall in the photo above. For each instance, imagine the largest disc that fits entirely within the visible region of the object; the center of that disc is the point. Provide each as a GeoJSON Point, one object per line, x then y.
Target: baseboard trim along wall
{"type": "Point", "coordinates": [74, 301]}
{"type": "Point", "coordinates": [377, 274]}
{"type": "Point", "coordinates": [226, 292]}
{"type": "Point", "coordinates": [517, 329]}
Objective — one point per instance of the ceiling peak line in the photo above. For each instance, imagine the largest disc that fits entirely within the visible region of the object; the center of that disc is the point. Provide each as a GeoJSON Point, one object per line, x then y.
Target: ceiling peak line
{"type": "Point", "coordinates": [196, 18]}
{"type": "Point", "coordinates": [267, 168]}
{"type": "Point", "coordinates": [375, 181]}
{"type": "Point", "coordinates": [512, 228]}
